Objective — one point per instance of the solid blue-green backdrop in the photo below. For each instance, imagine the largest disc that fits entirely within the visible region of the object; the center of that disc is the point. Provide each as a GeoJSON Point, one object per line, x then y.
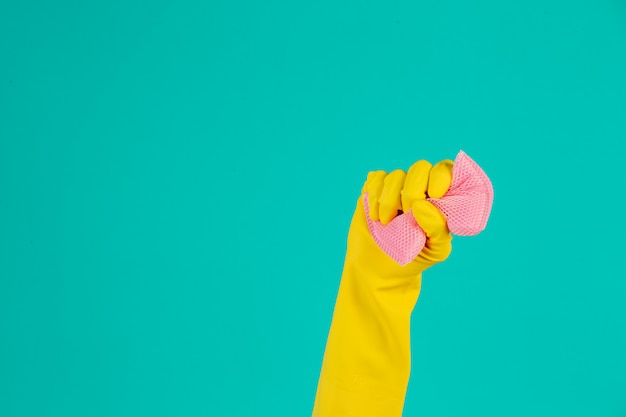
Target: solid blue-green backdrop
{"type": "Point", "coordinates": [177, 180]}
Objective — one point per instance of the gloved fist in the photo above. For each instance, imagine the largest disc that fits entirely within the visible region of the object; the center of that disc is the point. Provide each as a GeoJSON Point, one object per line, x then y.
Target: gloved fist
{"type": "Point", "coordinates": [389, 195]}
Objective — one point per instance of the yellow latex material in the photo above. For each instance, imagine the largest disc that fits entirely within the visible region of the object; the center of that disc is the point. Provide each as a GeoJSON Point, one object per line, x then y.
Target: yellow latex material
{"type": "Point", "coordinates": [366, 366]}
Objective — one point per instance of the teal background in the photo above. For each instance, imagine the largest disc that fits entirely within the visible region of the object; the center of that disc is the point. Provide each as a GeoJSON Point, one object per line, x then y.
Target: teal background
{"type": "Point", "coordinates": [177, 180]}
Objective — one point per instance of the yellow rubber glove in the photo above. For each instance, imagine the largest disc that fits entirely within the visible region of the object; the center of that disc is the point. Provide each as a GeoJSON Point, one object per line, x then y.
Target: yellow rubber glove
{"type": "Point", "coordinates": [366, 366]}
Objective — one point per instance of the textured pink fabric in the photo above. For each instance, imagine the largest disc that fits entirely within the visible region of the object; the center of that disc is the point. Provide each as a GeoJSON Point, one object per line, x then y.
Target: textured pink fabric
{"type": "Point", "coordinates": [466, 206]}
{"type": "Point", "coordinates": [402, 238]}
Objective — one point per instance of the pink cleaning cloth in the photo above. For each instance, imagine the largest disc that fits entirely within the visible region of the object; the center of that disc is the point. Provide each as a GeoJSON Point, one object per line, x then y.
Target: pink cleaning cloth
{"type": "Point", "coordinates": [466, 206]}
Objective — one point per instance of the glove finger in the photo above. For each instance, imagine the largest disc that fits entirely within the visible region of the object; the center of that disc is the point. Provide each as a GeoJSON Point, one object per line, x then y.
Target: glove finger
{"type": "Point", "coordinates": [389, 201]}
{"type": "Point", "coordinates": [438, 237]}
{"type": "Point", "coordinates": [440, 178]}
{"type": "Point", "coordinates": [415, 183]}
{"type": "Point", "coordinates": [374, 188]}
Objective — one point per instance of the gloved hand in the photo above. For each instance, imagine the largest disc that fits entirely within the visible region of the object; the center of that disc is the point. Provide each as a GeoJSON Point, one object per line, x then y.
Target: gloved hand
{"type": "Point", "coordinates": [366, 366]}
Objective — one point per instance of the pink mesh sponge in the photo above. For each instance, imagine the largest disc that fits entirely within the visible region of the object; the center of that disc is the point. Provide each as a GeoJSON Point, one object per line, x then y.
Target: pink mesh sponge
{"type": "Point", "coordinates": [466, 206]}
